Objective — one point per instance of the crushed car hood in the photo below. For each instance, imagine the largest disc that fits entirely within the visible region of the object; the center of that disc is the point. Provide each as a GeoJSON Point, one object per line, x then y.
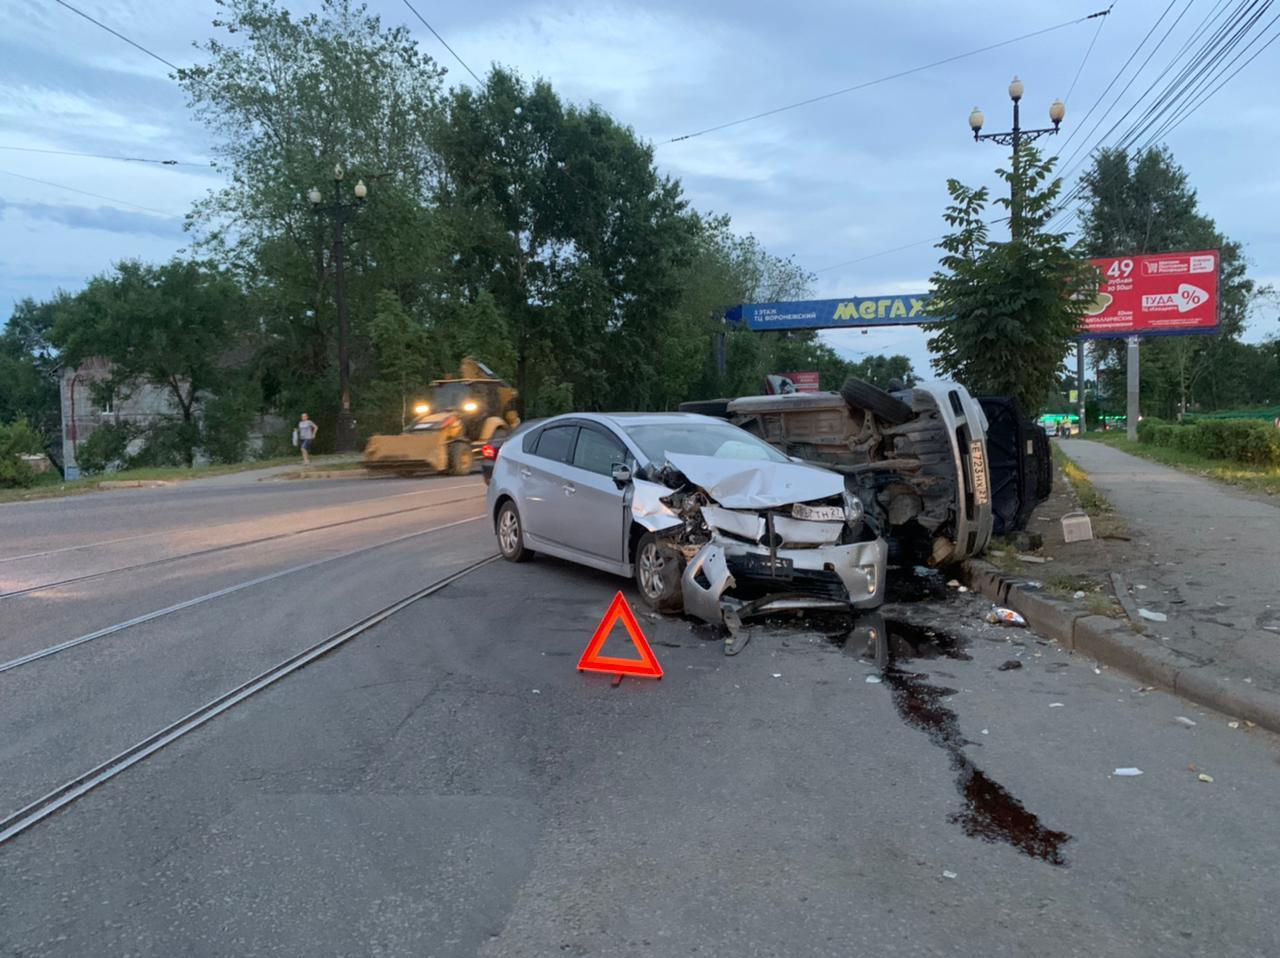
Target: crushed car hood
{"type": "Point", "coordinates": [752, 484]}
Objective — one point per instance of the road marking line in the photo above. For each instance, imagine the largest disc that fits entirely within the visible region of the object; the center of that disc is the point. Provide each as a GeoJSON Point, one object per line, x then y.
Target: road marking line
{"type": "Point", "coordinates": [230, 545]}
{"type": "Point", "coordinates": [64, 795]}
{"type": "Point", "coordinates": [148, 617]}
{"type": "Point", "coordinates": [221, 525]}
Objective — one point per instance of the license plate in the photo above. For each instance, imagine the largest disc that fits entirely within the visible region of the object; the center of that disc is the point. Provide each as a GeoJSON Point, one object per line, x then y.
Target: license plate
{"type": "Point", "coordinates": [978, 466]}
{"type": "Point", "coordinates": [818, 513]}
{"type": "Point", "coordinates": [762, 566]}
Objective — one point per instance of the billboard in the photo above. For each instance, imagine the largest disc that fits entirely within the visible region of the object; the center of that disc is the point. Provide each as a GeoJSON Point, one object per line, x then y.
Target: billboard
{"type": "Point", "coordinates": [1160, 294]}
{"type": "Point", "coordinates": [854, 311]}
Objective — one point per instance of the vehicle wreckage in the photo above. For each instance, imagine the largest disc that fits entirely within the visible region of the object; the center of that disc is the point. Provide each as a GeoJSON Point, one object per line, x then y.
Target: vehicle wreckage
{"type": "Point", "coordinates": [755, 538]}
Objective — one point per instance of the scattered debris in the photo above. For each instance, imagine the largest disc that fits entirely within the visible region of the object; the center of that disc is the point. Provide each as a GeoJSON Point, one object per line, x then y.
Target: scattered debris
{"type": "Point", "coordinates": [953, 584]}
{"type": "Point", "coordinates": [1076, 527]}
{"type": "Point", "coordinates": [1002, 616]}
{"type": "Point", "coordinates": [1233, 725]}
{"type": "Point", "coordinates": [537, 691]}
{"type": "Point", "coordinates": [1128, 772]}
{"type": "Point", "coordinates": [1009, 666]}
{"type": "Point", "coordinates": [1205, 778]}
{"type": "Point", "coordinates": [1248, 724]}
{"type": "Point", "coordinates": [1153, 616]}
{"type": "Point", "coordinates": [873, 680]}
{"type": "Point", "coordinates": [1056, 705]}
{"type": "Point", "coordinates": [986, 731]}
{"type": "Point", "coordinates": [777, 675]}
{"type": "Point", "coordinates": [1079, 594]}
{"type": "Point", "coordinates": [1039, 560]}
{"type": "Point", "coordinates": [1141, 587]}
{"type": "Point", "coordinates": [1184, 720]}
{"type": "Point", "coordinates": [947, 874]}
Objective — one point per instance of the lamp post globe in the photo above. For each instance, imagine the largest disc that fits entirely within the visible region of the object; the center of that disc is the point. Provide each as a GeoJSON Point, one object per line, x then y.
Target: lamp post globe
{"type": "Point", "coordinates": [975, 121]}
{"type": "Point", "coordinates": [1057, 110]}
{"type": "Point", "coordinates": [1015, 90]}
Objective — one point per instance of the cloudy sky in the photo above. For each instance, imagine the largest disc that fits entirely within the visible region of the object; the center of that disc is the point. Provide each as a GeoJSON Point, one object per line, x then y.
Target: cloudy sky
{"type": "Point", "coordinates": [839, 183]}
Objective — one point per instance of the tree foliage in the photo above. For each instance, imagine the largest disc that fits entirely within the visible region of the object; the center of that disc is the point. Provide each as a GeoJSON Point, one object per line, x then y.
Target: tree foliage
{"type": "Point", "coordinates": [1007, 311]}
{"type": "Point", "coordinates": [176, 327]}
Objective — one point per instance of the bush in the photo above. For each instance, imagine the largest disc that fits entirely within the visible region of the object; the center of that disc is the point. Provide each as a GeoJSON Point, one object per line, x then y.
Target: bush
{"type": "Point", "coordinates": [14, 473]}
{"type": "Point", "coordinates": [1248, 441]}
{"type": "Point", "coordinates": [168, 443]}
{"type": "Point", "coordinates": [106, 448]}
{"type": "Point", "coordinates": [225, 427]}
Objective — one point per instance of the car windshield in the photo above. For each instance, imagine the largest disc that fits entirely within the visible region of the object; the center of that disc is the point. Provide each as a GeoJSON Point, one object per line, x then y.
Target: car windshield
{"type": "Point", "coordinates": [718, 439]}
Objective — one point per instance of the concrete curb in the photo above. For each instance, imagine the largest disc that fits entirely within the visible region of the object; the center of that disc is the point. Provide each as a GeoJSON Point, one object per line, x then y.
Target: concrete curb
{"type": "Point", "coordinates": [1115, 644]}
{"type": "Point", "coordinates": [109, 484]}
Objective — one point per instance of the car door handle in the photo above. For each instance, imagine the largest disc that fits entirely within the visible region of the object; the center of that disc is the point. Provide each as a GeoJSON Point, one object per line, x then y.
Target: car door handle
{"type": "Point", "coordinates": [569, 488]}
{"type": "Point", "coordinates": [524, 472]}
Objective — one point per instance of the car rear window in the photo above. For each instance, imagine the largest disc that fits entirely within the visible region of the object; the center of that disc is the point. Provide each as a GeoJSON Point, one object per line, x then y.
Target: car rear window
{"type": "Point", "coordinates": [556, 443]}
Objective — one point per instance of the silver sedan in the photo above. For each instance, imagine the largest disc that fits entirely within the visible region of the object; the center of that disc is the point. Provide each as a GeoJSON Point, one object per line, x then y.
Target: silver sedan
{"type": "Point", "coordinates": [708, 518]}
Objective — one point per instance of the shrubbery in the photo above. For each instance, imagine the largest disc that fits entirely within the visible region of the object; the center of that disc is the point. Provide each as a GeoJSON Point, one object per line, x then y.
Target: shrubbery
{"type": "Point", "coordinates": [1250, 441]}
{"type": "Point", "coordinates": [16, 439]}
{"type": "Point", "coordinates": [107, 446]}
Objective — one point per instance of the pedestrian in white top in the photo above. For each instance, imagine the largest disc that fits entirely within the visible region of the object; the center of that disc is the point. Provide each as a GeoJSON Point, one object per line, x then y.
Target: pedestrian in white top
{"type": "Point", "coordinates": [303, 435]}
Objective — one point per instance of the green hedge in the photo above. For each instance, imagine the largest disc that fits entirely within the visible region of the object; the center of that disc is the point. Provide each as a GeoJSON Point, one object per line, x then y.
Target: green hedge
{"type": "Point", "coordinates": [1250, 441]}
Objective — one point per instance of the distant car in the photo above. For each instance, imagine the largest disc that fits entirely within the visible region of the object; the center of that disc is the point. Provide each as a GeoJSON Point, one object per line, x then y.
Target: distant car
{"type": "Point", "coordinates": [708, 518]}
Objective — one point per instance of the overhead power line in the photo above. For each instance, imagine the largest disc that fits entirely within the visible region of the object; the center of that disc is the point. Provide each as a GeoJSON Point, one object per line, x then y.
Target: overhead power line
{"type": "Point", "coordinates": [883, 79]}
{"type": "Point", "coordinates": [96, 196]}
{"type": "Point", "coordinates": [1080, 69]}
{"type": "Point", "coordinates": [442, 40]}
{"type": "Point", "coordinates": [117, 34]}
{"type": "Point", "coordinates": [101, 156]}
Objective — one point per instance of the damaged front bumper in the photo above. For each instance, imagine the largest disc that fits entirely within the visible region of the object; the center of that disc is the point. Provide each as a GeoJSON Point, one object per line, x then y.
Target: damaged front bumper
{"type": "Point", "coordinates": [749, 580]}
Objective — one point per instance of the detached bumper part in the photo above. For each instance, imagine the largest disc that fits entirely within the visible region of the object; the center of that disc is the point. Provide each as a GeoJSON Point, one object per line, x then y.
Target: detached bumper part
{"type": "Point", "coordinates": [860, 568]}
{"type": "Point", "coordinates": [706, 578]}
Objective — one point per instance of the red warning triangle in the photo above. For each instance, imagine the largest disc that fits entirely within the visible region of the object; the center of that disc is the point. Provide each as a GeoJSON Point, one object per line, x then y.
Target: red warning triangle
{"type": "Point", "coordinates": [592, 661]}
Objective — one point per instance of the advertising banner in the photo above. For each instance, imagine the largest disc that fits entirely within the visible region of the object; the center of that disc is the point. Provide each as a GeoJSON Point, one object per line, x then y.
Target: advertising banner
{"type": "Point", "coordinates": [1160, 294]}
{"type": "Point", "coordinates": [805, 382]}
{"type": "Point", "coordinates": [855, 311]}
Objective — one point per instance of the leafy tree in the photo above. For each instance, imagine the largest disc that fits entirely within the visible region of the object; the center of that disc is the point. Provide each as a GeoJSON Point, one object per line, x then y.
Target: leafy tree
{"type": "Point", "coordinates": [174, 327]}
{"type": "Point", "coordinates": [883, 370]}
{"type": "Point", "coordinates": [1007, 312]}
{"type": "Point", "coordinates": [284, 99]}
{"type": "Point", "coordinates": [28, 362]}
{"type": "Point", "coordinates": [1144, 203]}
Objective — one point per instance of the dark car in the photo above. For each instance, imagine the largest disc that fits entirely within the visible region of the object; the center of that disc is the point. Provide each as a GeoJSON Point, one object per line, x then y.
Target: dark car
{"type": "Point", "coordinates": [489, 451]}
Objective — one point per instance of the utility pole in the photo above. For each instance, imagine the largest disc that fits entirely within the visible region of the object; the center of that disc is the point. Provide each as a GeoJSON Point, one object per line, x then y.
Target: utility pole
{"type": "Point", "coordinates": [1015, 138]}
{"type": "Point", "coordinates": [1131, 391]}
{"type": "Point", "coordinates": [345, 437]}
{"type": "Point", "coordinates": [1080, 381]}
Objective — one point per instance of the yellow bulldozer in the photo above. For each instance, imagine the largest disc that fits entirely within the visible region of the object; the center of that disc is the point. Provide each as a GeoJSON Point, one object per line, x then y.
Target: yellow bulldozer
{"type": "Point", "coordinates": [450, 425]}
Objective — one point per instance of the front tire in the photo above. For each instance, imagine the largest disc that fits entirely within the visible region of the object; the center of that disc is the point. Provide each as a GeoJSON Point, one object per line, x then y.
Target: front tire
{"type": "Point", "coordinates": [510, 533]}
{"type": "Point", "coordinates": [460, 458]}
{"type": "Point", "coordinates": [658, 570]}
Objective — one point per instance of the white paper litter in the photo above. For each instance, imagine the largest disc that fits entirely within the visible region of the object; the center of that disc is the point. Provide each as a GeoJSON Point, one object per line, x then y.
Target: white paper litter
{"type": "Point", "coordinates": [949, 875]}
{"type": "Point", "coordinates": [1128, 772]}
{"type": "Point", "coordinates": [1153, 616]}
{"type": "Point", "coordinates": [873, 680]}
{"type": "Point", "coordinates": [1056, 705]}
{"type": "Point", "coordinates": [777, 675]}
{"type": "Point", "coordinates": [1185, 721]}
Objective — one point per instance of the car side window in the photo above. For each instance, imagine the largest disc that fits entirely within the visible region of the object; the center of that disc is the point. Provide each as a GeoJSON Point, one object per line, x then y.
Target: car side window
{"type": "Point", "coordinates": [530, 442]}
{"type": "Point", "coordinates": [556, 443]}
{"type": "Point", "coordinates": [597, 452]}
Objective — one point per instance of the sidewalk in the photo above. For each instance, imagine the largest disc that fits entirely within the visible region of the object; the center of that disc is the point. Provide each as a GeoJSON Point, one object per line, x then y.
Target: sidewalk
{"type": "Point", "coordinates": [1209, 557]}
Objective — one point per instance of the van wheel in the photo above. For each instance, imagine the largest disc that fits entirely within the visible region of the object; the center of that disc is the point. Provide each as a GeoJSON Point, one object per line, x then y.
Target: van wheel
{"type": "Point", "coordinates": [511, 534]}
{"type": "Point", "coordinates": [862, 395]}
{"type": "Point", "coordinates": [460, 457]}
{"type": "Point", "coordinates": [658, 569]}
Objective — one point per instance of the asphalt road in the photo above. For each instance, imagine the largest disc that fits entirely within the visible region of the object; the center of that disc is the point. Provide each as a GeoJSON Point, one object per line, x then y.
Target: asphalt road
{"type": "Point", "coordinates": [449, 784]}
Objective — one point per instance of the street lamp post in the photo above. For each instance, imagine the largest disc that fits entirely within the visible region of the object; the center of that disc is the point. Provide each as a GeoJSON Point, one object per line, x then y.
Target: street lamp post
{"type": "Point", "coordinates": [345, 439]}
{"type": "Point", "coordinates": [1015, 138]}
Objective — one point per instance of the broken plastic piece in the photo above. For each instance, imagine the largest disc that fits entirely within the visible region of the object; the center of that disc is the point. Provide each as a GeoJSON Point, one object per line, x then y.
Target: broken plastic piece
{"type": "Point", "coordinates": [1153, 616]}
{"type": "Point", "coordinates": [1128, 772]}
{"type": "Point", "coordinates": [1185, 721]}
{"type": "Point", "coordinates": [953, 584]}
{"type": "Point", "coordinates": [777, 675]}
{"type": "Point", "coordinates": [1002, 616]}
{"type": "Point", "coordinates": [1040, 560]}
{"type": "Point", "coordinates": [1009, 666]}
{"type": "Point", "coordinates": [1233, 725]}
{"type": "Point", "coordinates": [947, 874]}
{"type": "Point", "coordinates": [873, 680]}
{"type": "Point", "coordinates": [1056, 705]}
{"type": "Point", "coordinates": [1205, 778]}
{"type": "Point", "coordinates": [1076, 527]}
{"type": "Point", "coordinates": [1079, 594]}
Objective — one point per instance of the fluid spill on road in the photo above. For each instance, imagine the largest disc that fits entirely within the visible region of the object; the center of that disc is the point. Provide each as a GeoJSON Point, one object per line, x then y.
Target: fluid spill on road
{"type": "Point", "coordinates": [990, 812]}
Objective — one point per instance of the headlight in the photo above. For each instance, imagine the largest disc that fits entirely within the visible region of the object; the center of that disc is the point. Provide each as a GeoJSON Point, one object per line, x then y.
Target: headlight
{"type": "Point", "coordinates": [853, 509]}
{"type": "Point", "coordinates": [470, 406]}
{"type": "Point", "coordinates": [422, 408]}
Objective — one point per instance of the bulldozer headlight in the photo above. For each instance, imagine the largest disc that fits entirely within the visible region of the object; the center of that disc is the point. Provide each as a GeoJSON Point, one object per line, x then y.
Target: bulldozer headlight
{"type": "Point", "coordinates": [421, 409]}
{"type": "Point", "coordinates": [470, 406]}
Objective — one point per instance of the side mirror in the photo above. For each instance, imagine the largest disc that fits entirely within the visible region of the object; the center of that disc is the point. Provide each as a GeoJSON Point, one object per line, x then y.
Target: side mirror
{"type": "Point", "coordinates": [621, 473]}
